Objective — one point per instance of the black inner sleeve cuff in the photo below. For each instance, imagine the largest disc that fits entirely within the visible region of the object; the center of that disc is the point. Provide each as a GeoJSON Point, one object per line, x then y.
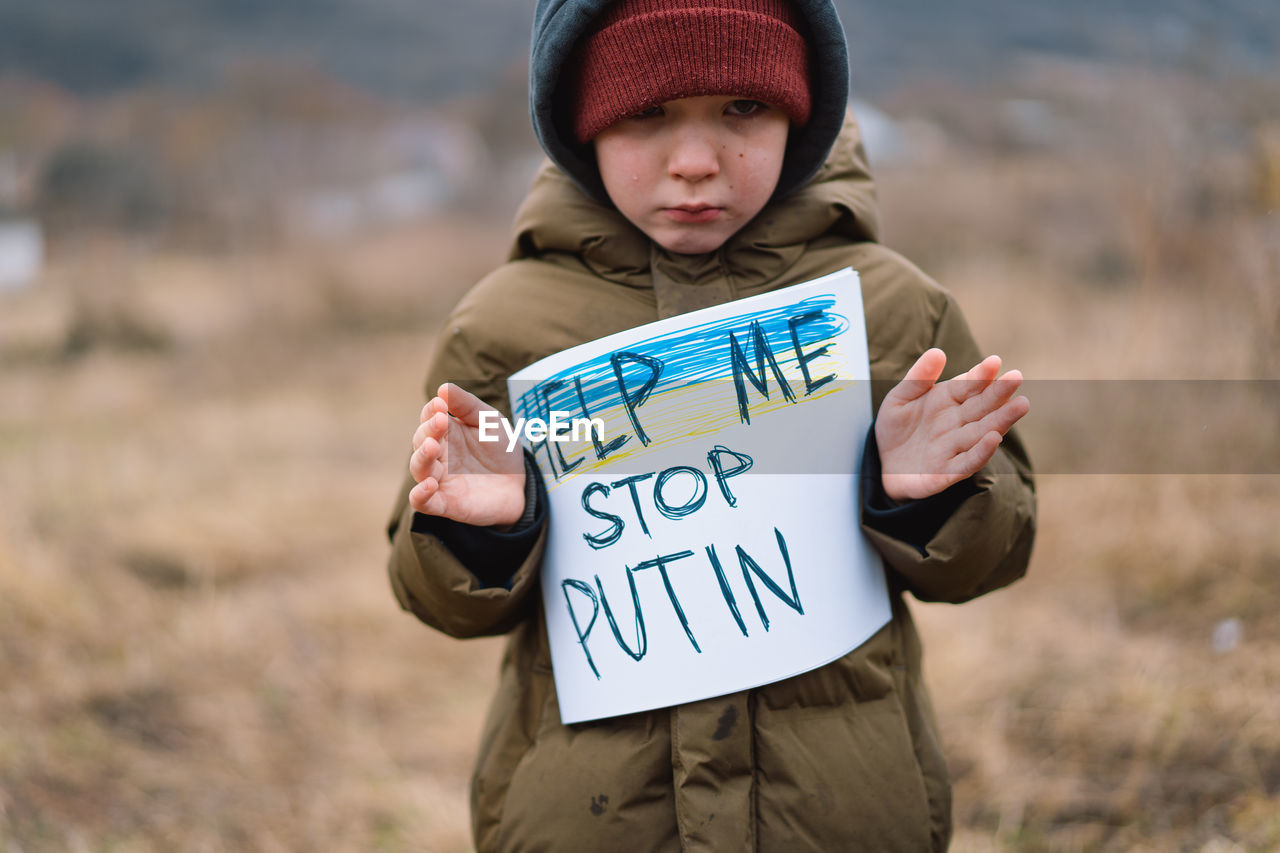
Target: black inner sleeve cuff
{"type": "Point", "coordinates": [492, 556]}
{"type": "Point", "coordinates": [914, 522]}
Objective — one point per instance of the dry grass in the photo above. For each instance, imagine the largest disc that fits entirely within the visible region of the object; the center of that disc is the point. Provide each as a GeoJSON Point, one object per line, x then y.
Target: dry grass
{"type": "Point", "coordinates": [1088, 707]}
{"type": "Point", "coordinates": [199, 651]}
{"type": "Point", "coordinates": [197, 641]}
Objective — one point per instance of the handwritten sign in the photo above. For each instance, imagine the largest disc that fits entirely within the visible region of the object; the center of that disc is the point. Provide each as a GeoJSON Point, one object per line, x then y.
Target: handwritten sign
{"type": "Point", "coordinates": [704, 533]}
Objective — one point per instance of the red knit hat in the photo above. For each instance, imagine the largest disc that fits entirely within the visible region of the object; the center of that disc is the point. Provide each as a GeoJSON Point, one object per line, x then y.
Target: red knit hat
{"type": "Point", "coordinates": [641, 53]}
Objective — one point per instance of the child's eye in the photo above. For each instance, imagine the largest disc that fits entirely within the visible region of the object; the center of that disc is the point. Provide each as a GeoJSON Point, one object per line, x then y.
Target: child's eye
{"type": "Point", "coordinates": [744, 107]}
{"type": "Point", "coordinates": [651, 112]}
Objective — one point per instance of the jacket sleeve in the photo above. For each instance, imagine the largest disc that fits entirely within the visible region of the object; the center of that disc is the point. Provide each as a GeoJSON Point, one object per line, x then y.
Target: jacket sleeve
{"type": "Point", "coordinates": [983, 539]}
{"type": "Point", "coordinates": [428, 578]}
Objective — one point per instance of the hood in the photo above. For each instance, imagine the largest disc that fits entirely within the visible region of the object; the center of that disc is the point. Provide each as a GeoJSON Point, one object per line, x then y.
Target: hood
{"type": "Point", "coordinates": [558, 219]}
{"type": "Point", "coordinates": [557, 26]}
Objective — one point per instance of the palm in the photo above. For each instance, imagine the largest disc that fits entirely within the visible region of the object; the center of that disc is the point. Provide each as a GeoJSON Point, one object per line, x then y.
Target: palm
{"type": "Point", "coordinates": [933, 434]}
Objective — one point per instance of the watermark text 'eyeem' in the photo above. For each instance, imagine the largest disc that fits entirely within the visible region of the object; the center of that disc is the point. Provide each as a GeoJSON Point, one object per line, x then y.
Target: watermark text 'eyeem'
{"type": "Point", "coordinates": [560, 428]}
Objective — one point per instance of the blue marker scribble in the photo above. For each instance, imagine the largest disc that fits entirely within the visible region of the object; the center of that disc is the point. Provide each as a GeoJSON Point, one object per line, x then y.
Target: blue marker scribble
{"type": "Point", "coordinates": [689, 356]}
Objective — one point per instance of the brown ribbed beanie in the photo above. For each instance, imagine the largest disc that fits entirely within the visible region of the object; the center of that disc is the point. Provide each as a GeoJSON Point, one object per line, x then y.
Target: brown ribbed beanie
{"type": "Point", "coordinates": [641, 53]}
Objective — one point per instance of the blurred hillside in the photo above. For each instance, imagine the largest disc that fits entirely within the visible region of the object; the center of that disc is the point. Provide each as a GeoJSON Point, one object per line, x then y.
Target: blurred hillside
{"type": "Point", "coordinates": [437, 51]}
{"type": "Point", "coordinates": [223, 121]}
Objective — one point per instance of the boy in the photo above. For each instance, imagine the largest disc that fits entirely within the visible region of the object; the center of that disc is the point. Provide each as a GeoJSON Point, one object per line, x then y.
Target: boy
{"type": "Point", "coordinates": [691, 142]}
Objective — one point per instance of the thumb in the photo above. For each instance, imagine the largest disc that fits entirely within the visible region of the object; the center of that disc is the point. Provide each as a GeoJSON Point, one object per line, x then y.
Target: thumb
{"type": "Point", "coordinates": [462, 404]}
{"type": "Point", "coordinates": [922, 376]}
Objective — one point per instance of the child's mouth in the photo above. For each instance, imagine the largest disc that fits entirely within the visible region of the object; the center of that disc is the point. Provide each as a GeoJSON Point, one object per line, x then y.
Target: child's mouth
{"type": "Point", "coordinates": [690, 214]}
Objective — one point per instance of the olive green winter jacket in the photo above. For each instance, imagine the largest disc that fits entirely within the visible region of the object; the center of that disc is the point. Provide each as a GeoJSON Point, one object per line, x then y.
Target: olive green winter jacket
{"type": "Point", "coordinates": [845, 757]}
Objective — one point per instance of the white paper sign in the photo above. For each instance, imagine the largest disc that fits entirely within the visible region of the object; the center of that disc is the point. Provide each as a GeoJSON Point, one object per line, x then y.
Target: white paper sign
{"type": "Point", "coordinates": [705, 540]}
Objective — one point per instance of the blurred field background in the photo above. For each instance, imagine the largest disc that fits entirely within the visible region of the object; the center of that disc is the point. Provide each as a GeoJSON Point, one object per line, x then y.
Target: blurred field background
{"type": "Point", "coordinates": [246, 246]}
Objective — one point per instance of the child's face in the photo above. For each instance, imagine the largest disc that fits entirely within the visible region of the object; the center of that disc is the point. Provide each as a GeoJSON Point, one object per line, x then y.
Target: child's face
{"type": "Point", "coordinates": [691, 172]}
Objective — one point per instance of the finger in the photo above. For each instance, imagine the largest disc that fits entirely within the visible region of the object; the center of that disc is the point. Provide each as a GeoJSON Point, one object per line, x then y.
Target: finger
{"type": "Point", "coordinates": [463, 405]}
{"type": "Point", "coordinates": [921, 377]}
{"type": "Point", "coordinates": [418, 466]}
{"type": "Point", "coordinates": [421, 433]}
{"type": "Point", "coordinates": [971, 461]}
{"type": "Point", "coordinates": [437, 504]}
{"type": "Point", "coordinates": [428, 499]}
{"type": "Point", "coordinates": [439, 469]}
{"type": "Point", "coordinates": [435, 404]}
{"type": "Point", "coordinates": [436, 426]}
{"type": "Point", "coordinates": [995, 395]}
{"type": "Point", "coordinates": [439, 429]}
{"type": "Point", "coordinates": [421, 494]}
{"type": "Point", "coordinates": [424, 459]}
{"type": "Point", "coordinates": [1009, 414]}
{"type": "Point", "coordinates": [1000, 421]}
{"type": "Point", "coordinates": [974, 380]}
{"type": "Point", "coordinates": [435, 470]}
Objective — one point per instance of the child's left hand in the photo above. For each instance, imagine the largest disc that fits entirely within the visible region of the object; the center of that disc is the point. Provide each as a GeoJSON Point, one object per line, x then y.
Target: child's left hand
{"type": "Point", "coordinates": [933, 434]}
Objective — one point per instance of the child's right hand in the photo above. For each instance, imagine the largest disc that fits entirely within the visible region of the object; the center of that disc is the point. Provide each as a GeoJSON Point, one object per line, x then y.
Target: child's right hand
{"type": "Point", "coordinates": [458, 476]}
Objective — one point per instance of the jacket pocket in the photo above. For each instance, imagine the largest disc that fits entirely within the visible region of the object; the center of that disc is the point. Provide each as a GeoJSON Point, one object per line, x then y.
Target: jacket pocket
{"type": "Point", "coordinates": [604, 785]}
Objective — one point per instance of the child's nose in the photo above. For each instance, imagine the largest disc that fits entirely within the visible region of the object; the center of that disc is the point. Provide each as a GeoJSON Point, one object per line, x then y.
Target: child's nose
{"type": "Point", "coordinates": [693, 156]}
